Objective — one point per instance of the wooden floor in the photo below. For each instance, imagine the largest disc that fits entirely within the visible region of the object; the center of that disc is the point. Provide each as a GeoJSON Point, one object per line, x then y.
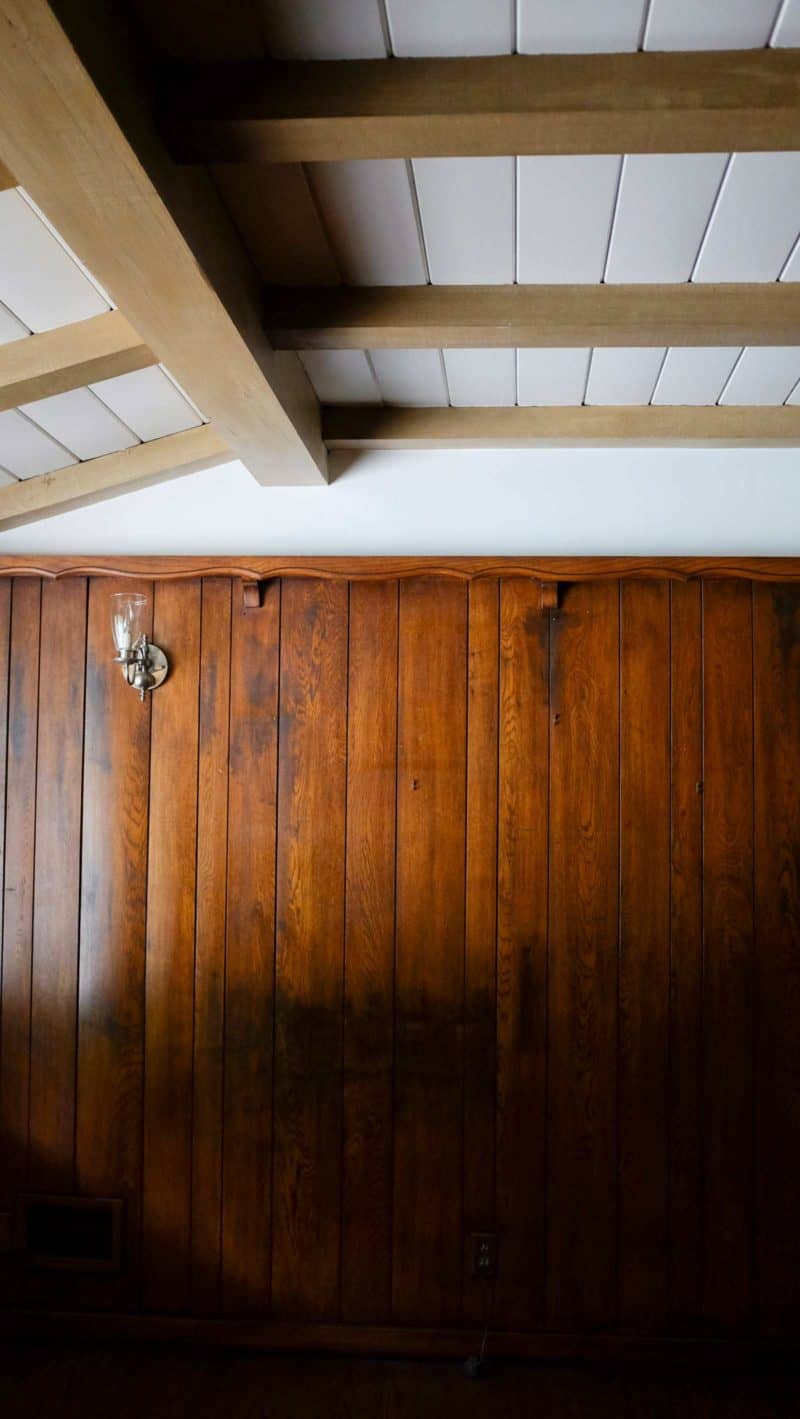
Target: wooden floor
{"type": "Point", "coordinates": [132, 1382]}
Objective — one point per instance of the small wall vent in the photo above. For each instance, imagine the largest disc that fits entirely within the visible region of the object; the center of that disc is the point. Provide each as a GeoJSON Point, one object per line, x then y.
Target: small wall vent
{"type": "Point", "coordinates": [69, 1233]}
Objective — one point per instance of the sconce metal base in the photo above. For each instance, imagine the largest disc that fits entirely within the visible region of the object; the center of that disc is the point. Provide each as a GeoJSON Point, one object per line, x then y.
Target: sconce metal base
{"type": "Point", "coordinates": [148, 658]}
{"type": "Point", "coordinates": [157, 664]}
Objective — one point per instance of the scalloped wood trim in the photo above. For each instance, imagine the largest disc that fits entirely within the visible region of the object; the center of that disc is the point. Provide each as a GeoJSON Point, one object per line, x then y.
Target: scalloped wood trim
{"type": "Point", "coordinates": [545, 569]}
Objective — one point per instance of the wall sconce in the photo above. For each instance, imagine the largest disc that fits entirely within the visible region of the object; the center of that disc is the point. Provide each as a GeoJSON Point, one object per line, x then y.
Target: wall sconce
{"type": "Point", "coordinates": [144, 665]}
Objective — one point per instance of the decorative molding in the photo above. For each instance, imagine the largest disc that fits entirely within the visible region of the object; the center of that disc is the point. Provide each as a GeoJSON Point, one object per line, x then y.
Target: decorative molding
{"type": "Point", "coordinates": [543, 569]}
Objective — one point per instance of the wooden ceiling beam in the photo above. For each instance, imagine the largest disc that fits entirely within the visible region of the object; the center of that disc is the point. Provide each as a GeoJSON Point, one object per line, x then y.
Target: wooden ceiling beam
{"type": "Point", "coordinates": [468, 317]}
{"type": "Point", "coordinates": [599, 426]}
{"type": "Point", "coordinates": [78, 133]}
{"type": "Point", "coordinates": [69, 358]}
{"type": "Point", "coordinates": [145, 464]}
{"type": "Point", "coordinates": [6, 178]}
{"type": "Point", "coordinates": [491, 106]}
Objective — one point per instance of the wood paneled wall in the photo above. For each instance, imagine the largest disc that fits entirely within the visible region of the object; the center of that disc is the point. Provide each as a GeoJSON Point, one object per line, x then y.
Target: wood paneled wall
{"type": "Point", "coordinates": [403, 912]}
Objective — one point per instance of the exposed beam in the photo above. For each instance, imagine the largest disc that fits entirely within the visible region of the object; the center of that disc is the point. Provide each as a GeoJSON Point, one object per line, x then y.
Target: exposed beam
{"type": "Point", "coordinates": [575, 103]}
{"type": "Point", "coordinates": [414, 317]}
{"type": "Point", "coordinates": [595, 426]}
{"type": "Point", "coordinates": [147, 463]}
{"type": "Point", "coordinates": [6, 178]}
{"type": "Point", "coordinates": [157, 239]}
{"type": "Point", "coordinates": [69, 357]}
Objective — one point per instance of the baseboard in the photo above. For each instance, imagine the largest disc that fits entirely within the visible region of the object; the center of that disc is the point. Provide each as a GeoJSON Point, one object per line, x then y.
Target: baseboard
{"type": "Point", "coordinates": [390, 1341]}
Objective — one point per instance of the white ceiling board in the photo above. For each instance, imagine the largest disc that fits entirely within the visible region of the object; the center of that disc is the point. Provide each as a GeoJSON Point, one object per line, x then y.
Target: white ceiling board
{"type": "Point", "coordinates": [25, 450]}
{"type": "Point", "coordinates": [341, 376]}
{"type": "Point", "coordinates": [450, 28]}
{"type": "Point", "coordinates": [335, 29]}
{"type": "Point", "coordinates": [764, 375]}
{"type": "Point", "coordinates": [662, 212]}
{"type": "Point", "coordinates": [467, 211]}
{"type": "Point", "coordinates": [794, 397]}
{"type": "Point", "coordinates": [6, 478]}
{"type": "Point", "coordinates": [787, 32]}
{"type": "Point", "coordinates": [564, 211]}
{"type": "Point", "coordinates": [412, 377]}
{"type": "Point", "coordinates": [791, 271]}
{"type": "Point", "coordinates": [710, 24]}
{"type": "Point", "coordinates": [368, 212]}
{"type": "Point", "coordinates": [485, 378]}
{"type": "Point", "coordinates": [623, 376]}
{"type": "Point", "coordinates": [552, 377]}
{"type": "Point", "coordinates": [39, 281]}
{"type": "Point", "coordinates": [81, 422]}
{"type": "Point", "coordinates": [148, 402]}
{"type": "Point", "coordinates": [10, 327]}
{"type": "Point", "coordinates": [756, 220]}
{"type": "Point", "coordinates": [580, 26]}
{"type": "Point", "coordinates": [690, 376]}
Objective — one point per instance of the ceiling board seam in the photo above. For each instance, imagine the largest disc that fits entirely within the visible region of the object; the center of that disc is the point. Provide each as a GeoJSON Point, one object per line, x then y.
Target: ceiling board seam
{"type": "Point", "coordinates": [588, 377]}
{"type": "Point", "coordinates": [417, 209]}
{"type": "Point", "coordinates": [373, 372]}
{"type": "Point", "coordinates": [386, 26]}
{"type": "Point", "coordinates": [712, 214]}
{"type": "Point", "coordinates": [614, 210]}
{"type": "Point", "coordinates": [113, 412]}
{"type": "Point", "coordinates": [317, 205]}
{"type": "Point", "coordinates": [645, 26]}
{"type": "Point", "coordinates": [446, 380]}
{"type": "Point", "coordinates": [787, 263]}
{"type": "Point", "coordinates": [658, 376]}
{"type": "Point", "coordinates": [14, 316]}
{"type": "Point", "coordinates": [9, 474]}
{"type": "Point", "coordinates": [515, 26]}
{"type": "Point", "coordinates": [515, 222]}
{"type": "Point", "coordinates": [734, 368]}
{"type": "Point", "coordinates": [783, 6]}
{"type": "Point", "coordinates": [50, 436]}
{"type": "Point", "coordinates": [173, 381]}
{"type": "Point", "coordinates": [792, 391]}
{"type": "Point", "coordinates": [73, 256]}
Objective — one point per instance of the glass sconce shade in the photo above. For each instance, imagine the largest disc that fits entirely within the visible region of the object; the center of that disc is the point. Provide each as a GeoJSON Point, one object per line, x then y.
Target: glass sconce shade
{"type": "Point", "coordinates": [127, 619]}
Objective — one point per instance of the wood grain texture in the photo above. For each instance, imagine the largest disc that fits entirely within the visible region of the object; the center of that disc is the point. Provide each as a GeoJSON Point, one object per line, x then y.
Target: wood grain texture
{"type": "Point", "coordinates": [110, 1071]}
{"type": "Point", "coordinates": [79, 134]}
{"type": "Point", "coordinates": [69, 357]}
{"type": "Point", "coordinates": [777, 981]}
{"type": "Point", "coordinates": [309, 950]}
{"type": "Point", "coordinates": [522, 954]}
{"type": "Point", "coordinates": [169, 981]}
{"type": "Point", "coordinates": [57, 888]}
{"type": "Point", "coordinates": [272, 207]}
{"type": "Point", "coordinates": [480, 942]}
{"type": "Point", "coordinates": [249, 970]}
{"type": "Point", "coordinates": [583, 974]}
{"type": "Point", "coordinates": [643, 1021]}
{"type": "Point", "coordinates": [209, 960]}
{"type": "Point", "coordinates": [728, 965]}
{"type": "Point", "coordinates": [479, 107]}
{"type": "Point", "coordinates": [686, 954]}
{"type": "Point", "coordinates": [593, 426]}
{"type": "Point", "coordinates": [431, 777]}
{"type": "Point", "coordinates": [366, 1242]}
{"type": "Point", "coordinates": [547, 569]}
{"type": "Point", "coordinates": [20, 830]}
{"type": "Point", "coordinates": [431, 317]}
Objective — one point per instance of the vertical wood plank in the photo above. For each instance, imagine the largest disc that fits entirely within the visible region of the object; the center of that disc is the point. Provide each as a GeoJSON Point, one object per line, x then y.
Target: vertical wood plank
{"type": "Point", "coordinates": [169, 978]}
{"type": "Point", "coordinates": [209, 966]}
{"type": "Point", "coordinates": [309, 948]}
{"type": "Point", "coordinates": [432, 684]}
{"type": "Point", "coordinates": [23, 698]}
{"type": "Point", "coordinates": [56, 903]}
{"type": "Point", "coordinates": [686, 954]}
{"type": "Point", "coordinates": [369, 953]}
{"type": "Point", "coordinates": [112, 939]}
{"type": "Point", "coordinates": [249, 971]}
{"type": "Point", "coordinates": [777, 708]}
{"type": "Point", "coordinates": [479, 1122]}
{"type": "Point", "coordinates": [644, 952]}
{"type": "Point", "coordinates": [728, 950]}
{"type": "Point", "coordinates": [522, 954]}
{"type": "Point", "coordinates": [582, 978]}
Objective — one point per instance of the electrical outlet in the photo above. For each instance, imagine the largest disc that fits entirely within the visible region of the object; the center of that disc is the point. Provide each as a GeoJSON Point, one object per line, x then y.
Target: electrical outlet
{"type": "Point", "coordinates": [483, 1247]}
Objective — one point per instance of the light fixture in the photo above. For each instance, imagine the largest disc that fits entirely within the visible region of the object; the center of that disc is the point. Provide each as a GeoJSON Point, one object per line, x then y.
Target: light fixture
{"type": "Point", "coordinates": [144, 665]}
